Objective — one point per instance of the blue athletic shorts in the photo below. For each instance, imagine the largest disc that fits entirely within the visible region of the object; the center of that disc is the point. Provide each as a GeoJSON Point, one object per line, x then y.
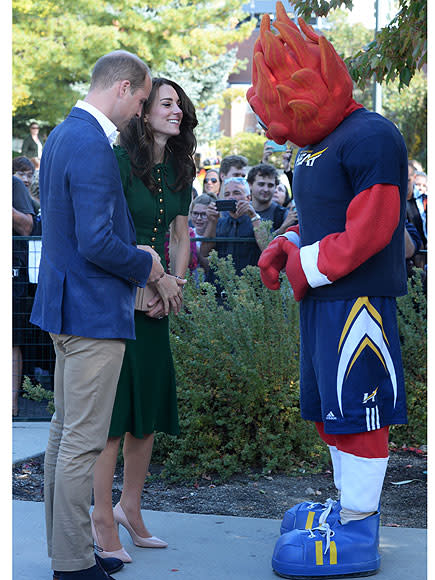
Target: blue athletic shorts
{"type": "Point", "coordinates": [351, 367]}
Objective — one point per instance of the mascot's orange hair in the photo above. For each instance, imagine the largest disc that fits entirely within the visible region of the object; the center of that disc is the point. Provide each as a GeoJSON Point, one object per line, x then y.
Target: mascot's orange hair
{"type": "Point", "coordinates": [301, 88]}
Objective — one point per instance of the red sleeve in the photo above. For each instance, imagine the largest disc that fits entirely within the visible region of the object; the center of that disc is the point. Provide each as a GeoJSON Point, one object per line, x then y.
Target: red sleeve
{"type": "Point", "coordinates": [371, 220]}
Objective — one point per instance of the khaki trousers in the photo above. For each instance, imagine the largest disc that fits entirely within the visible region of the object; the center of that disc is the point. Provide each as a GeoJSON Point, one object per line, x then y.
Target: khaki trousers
{"type": "Point", "coordinates": [85, 380]}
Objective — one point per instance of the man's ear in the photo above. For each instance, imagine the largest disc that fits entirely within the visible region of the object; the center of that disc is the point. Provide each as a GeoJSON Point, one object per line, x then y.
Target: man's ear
{"type": "Point", "coordinates": [124, 87]}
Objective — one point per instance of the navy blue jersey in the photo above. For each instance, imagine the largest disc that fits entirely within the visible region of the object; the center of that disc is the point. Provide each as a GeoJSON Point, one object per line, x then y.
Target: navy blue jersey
{"type": "Point", "coordinates": [364, 150]}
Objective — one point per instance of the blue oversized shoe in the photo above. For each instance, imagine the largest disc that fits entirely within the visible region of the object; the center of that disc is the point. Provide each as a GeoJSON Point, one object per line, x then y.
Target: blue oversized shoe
{"type": "Point", "coordinates": [329, 551]}
{"type": "Point", "coordinates": [306, 515]}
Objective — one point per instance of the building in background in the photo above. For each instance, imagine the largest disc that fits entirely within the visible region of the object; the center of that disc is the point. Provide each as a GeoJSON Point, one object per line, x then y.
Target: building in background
{"type": "Point", "coordinates": [240, 117]}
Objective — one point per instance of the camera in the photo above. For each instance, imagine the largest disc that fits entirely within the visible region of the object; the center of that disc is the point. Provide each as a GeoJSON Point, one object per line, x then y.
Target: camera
{"type": "Point", "coordinates": [226, 205]}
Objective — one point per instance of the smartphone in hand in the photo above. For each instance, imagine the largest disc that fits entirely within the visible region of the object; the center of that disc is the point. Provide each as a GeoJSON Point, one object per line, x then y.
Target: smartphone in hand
{"type": "Point", "coordinates": [226, 205]}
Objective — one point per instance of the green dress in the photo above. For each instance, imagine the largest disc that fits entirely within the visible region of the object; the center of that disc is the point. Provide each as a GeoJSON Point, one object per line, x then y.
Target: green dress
{"type": "Point", "coordinates": [146, 398]}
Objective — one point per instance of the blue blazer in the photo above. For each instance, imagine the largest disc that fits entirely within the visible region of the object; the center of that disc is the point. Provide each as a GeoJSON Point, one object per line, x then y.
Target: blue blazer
{"type": "Point", "coordinates": [90, 267]}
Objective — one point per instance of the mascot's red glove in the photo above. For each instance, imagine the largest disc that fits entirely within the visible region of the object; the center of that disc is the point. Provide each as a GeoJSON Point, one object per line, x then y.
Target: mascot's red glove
{"type": "Point", "coordinates": [283, 252]}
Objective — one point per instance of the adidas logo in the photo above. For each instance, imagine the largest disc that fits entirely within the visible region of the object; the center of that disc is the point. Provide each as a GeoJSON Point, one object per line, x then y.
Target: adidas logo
{"type": "Point", "coordinates": [330, 416]}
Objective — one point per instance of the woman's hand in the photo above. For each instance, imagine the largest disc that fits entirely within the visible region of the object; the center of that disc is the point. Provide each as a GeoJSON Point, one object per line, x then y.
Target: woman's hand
{"type": "Point", "coordinates": [170, 289]}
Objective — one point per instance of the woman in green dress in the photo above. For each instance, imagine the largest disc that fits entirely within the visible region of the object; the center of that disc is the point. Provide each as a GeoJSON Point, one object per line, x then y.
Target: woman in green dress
{"type": "Point", "coordinates": [157, 171]}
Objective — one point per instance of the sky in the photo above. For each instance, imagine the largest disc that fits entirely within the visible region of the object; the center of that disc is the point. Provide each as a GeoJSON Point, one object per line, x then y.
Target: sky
{"type": "Point", "coordinates": [364, 12]}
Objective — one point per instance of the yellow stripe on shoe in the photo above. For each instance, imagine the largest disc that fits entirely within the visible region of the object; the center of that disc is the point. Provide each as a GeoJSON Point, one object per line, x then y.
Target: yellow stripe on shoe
{"type": "Point", "coordinates": [319, 553]}
{"type": "Point", "coordinates": [310, 519]}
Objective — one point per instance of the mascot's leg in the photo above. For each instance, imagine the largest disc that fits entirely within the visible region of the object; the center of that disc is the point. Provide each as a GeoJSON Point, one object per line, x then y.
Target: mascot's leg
{"type": "Point", "coordinates": [346, 545]}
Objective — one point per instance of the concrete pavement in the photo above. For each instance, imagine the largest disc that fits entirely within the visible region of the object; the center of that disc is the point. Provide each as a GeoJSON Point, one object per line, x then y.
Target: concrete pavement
{"type": "Point", "coordinates": [201, 547]}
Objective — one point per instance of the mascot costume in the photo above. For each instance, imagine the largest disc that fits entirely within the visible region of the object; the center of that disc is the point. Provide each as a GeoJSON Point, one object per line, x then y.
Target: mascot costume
{"type": "Point", "coordinates": [345, 262]}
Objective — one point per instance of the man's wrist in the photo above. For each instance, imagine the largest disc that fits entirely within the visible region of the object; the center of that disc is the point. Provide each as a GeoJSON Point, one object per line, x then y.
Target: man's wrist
{"type": "Point", "coordinates": [255, 217]}
{"type": "Point", "coordinates": [157, 278]}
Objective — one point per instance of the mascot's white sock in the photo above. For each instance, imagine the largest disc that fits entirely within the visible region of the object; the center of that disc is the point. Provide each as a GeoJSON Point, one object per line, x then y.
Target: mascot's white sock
{"type": "Point", "coordinates": [361, 485]}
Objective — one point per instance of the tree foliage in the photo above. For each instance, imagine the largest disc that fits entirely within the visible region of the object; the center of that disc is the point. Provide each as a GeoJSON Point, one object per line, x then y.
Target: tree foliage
{"type": "Point", "coordinates": [399, 49]}
{"type": "Point", "coordinates": [56, 43]}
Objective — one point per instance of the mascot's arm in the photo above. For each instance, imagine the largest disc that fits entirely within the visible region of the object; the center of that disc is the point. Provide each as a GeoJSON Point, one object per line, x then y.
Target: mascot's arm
{"type": "Point", "coordinates": [371, 219]}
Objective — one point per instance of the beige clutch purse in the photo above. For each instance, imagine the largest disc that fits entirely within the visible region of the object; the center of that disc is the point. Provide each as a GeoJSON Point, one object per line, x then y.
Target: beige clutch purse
{"type": "Point", "coordinates": [143, 296]}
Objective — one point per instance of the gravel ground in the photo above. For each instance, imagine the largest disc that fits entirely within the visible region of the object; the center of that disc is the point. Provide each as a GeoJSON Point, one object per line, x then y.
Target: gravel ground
{"type": "Point", "coordinates": [404, 501]}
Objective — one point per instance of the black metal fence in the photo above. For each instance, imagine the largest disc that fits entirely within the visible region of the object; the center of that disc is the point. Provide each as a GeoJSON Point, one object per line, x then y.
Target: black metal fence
{"type": "Point", "coordinates": [33, 353]}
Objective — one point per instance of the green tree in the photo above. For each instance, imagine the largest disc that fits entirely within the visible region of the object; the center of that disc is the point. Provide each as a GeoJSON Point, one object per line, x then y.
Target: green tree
{"type": "Point", "coordinates": [399, 49]}
{"type": "Point", "coordinates": [250, 145]}
{"type": "Point", "coordinates": [56, 43]}
{"type": "Point", "coordinates": [406, 106]}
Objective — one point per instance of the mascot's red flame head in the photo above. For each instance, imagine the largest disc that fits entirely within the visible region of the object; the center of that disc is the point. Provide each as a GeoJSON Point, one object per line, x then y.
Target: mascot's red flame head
{"type": "Point", "coordinates": [301, 88]}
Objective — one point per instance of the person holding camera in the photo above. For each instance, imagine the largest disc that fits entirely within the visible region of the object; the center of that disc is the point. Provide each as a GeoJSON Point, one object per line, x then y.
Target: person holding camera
{"type": "Point", "coordinates": [231, 216]}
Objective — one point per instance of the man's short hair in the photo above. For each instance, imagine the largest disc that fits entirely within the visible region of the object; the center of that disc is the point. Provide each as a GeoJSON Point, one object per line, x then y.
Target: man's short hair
{"type": "Point", "coordinates": [240, 181]}
{"type": "Point", "coordinates": [264, 170]}
{"type": "Point", "coordinates": [237, 161]}
{"type": "Point", "coordinates": [116, 66]}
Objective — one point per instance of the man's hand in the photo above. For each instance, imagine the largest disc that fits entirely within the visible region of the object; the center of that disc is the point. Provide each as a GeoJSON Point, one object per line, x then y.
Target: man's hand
{"type": "Point", "coordinates": [286, 159]}
{"type": "Point", "coordinates": [290, 220]}
{"type": "Point", "coordinates": [212, 212]}
{"type": "Point", "coordinates": [157, 270]}
{"type": "Point", "coordinates": [267, 152]}
{"type": "Point", "coordinates": [244, 207]}
{"type": "Point", "coordinates": [150, 250]}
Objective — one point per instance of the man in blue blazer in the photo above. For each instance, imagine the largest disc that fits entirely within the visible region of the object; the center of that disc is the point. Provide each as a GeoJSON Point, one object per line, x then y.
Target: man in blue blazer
{"type": "Point", "coordinates": [89, 272]}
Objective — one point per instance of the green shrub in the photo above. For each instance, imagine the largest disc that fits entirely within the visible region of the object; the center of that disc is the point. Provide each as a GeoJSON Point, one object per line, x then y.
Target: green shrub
{"type": "Point", "coordinates": [412, 322]}
{"type": "Point", "coordinates": [38, 393]}
{"type": "Point", "coordinates": [237, 365]}
{"type": "Point", "coordinates": [238, 381]}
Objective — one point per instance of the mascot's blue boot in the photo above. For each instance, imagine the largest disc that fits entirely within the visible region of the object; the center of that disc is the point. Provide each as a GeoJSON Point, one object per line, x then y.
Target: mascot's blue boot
{"type": "Point", "coordinates": [306, 515]}
{"type": "Point", "coordinates": [329, 551]}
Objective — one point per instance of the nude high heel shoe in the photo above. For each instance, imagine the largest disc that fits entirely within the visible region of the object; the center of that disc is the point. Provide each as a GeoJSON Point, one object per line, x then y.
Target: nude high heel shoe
{"type": "Point", "coordinates": [121, 554]}
{"type": "Point", "coordinates": [152, 542]}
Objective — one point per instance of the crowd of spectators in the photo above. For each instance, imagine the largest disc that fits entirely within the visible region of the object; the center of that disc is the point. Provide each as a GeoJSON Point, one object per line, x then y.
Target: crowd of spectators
{"type": "Point", "coordinates": [262, 208]}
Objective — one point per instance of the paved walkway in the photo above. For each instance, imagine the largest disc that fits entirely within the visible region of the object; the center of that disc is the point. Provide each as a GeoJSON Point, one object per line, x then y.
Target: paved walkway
{"type": "Point", "coordinates": [201, 547]}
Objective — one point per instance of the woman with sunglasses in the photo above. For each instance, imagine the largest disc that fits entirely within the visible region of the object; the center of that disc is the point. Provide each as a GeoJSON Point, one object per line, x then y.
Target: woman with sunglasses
{"type": "Point", "coordinates": [157, 171]}
{"type": "Point", "coordinates": [211, 183]}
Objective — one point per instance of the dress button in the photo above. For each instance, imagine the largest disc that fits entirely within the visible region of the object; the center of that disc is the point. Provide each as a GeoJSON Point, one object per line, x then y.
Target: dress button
{"type": "Point", "coordinates": [153, 239]}
{"type": "Point", "coordinates": [161, 200]}
{"type": "Point", "coordinates": [159, 221]}
{"type": "Point", "coordinates": [153, 247]}
{"type": "Point", "coordinates": [161, 211]}
{"type": "Point", "coordinates": [155, 230]}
